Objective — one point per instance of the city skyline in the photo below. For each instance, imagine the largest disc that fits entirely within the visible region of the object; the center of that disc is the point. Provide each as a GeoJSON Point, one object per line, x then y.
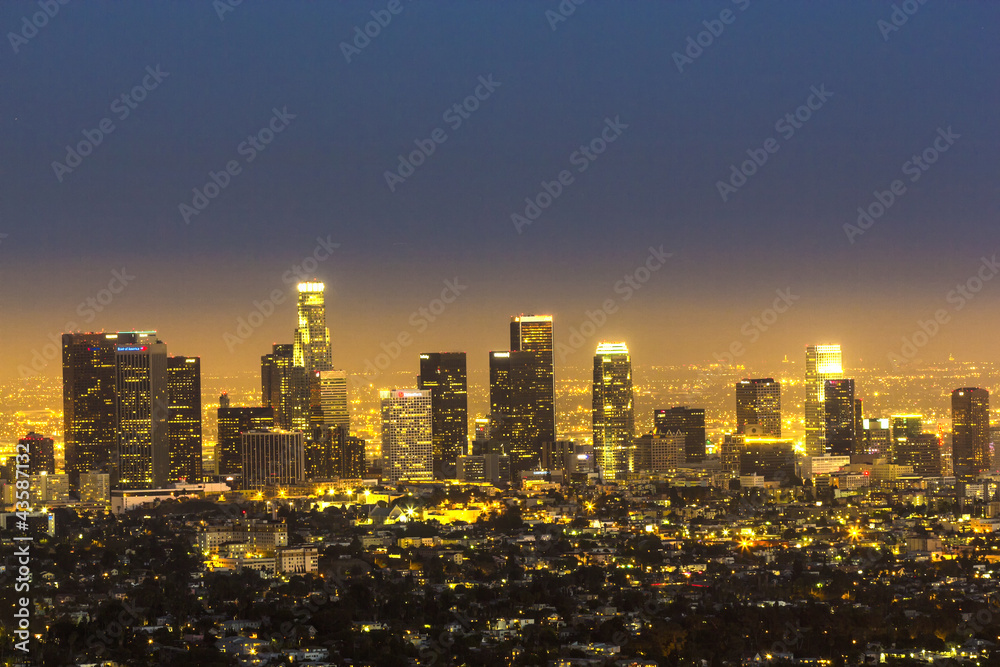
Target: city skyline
{"type": "Point", "coordinates": [915, 284]}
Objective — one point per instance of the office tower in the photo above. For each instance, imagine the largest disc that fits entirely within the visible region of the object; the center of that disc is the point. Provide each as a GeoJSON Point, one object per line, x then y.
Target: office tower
{"type": "Point", "coordinates": [184, 418]}
{"type": "Point", "coordinates": [88, 401]}
{"type": "Point", "coordinates": [659, 452]}
{"type": "Point", "coordinates": [970, 427]}
{"type": "Point", "coordinates": [612, 414]}
{"type": "Point", "coordinates": [312, 338]}
{"type": "Point", "coordinates": [771, 458]}
{"type": "Point", "coordinates": [95, 487]}
{"type": "Point", "coordinates": [46, 489]}
{"type": "Point", "coordinates": [567, 456]}
{"type": "Point", "coordinates": [823, 362]}
{"type": "Point", "coordinates": [41, 455]}
{"type": "Point", "coordinates": [484, 468]}
{"type": "Point", "coordinates": [690, 422]}
{"type": "Point", "coordinates": [319, 456]}
{"type": "Point", "coordinates": [224, 400]}
{"type": "Point", "coordinates": [407, 440]}
{"type": "Point", "coordinates": [142, 460]}
{"type": "Point", "coordinates": [758, 401]}
{"type": "Point", "coordinates": [841, 420]}
{"type": "Point", "coordinates": [511, 411]}
{"type": "Point", "coordinates": [522, 391]}
{"type": "Point", "coordinates": [923, 452]}
{"type": "Point", "coordinates": [272, 458]}
{"type": "Point", "coordinates": [876, 438]}
{"type": "Point", "coordinates": [285, 387]}
{"type": "Point", "coordinates": [904, 428]}
{"type": "Point", "coordinates": [729, 450]}
{"type": "Point", "coordinates": [333, 399]}
{"type": "Point", "coordinates": [348, 456]}
{"type": "Point", "coordinates": [482, 428]}
{"type": "Point", "coordinates": [443, 374]}
{"type": "Point", "coordinates": [232, 423]}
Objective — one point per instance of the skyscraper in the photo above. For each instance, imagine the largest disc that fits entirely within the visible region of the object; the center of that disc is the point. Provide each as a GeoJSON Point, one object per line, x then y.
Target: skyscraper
{"type": "Point", "coordinates": [690, 422]}
{"type": "Point", "coordinates": [923, 452]}
{"type": "Point", "coordinates": [41, 454]}
{"type": "Point", "coordinates": [272, 458]}
{"type": "Point", "coordinates": [142, 459]}
{"type": "Point", "coordinates": [407, 440]}
{"type": "Point", "coordinates": [233, 422]}
{"type": "Point", "coordinates": [841, 421]}
{"type": "Point", "coordinates": [876, 438]}
{"type": "Point", "coordinates": [758, 401]}
{"type": "Point", "coordinates": [184, 418]}
{"type": "Point", "coordinates": [333, 399]}
{"type": "Point", "coordinates": [285, 387]}
{"type": "Point", "coordinates": [312, 337]}
{"type": "Point", "coordinates": [444, 375]}
{"type": "Point", "coordinates": [612, 411]}
{"type": "Point", "coordinates": [823, 362]}
{"type": "Point", "coordinates": [904, 429]}
{"type": "Point", "coordinates": [522, 393]}
{"type": "Point", "coordinates": [970, 426]}
{"type": "Point", "coordinates": [88, 402]}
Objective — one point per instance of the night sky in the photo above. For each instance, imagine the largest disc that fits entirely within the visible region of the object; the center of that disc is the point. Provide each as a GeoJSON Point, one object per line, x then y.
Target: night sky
{"type": "Point", "coordinates": [608, 67]}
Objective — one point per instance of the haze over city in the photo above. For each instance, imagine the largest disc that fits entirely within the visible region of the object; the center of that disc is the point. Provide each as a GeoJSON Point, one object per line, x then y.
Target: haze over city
{"type": "Point", "coordinates": [656, 185]}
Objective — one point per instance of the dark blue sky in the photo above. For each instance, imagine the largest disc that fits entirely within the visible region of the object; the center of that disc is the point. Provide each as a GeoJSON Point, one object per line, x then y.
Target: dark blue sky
{"type": "Point", "coordinates": [323, 176]}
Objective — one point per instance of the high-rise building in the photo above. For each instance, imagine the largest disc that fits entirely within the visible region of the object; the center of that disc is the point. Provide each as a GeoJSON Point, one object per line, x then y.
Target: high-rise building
{"type": "Point", "coordinates": [923, 452]}
{"type": "Point", "coordinates": [758, 401]}
{"type": "Point", "coordinates": [333, 399]}
{"type": "Point", "coordinates": [184, 418]}
{"type": "Point", "coordinates": [142, 459]}
{"type": "Point", "coordinates": [876, 438]}
{"type": "Point", "coordinates": [690, 422]}
{"type": "Point", "coordinates": [41, 455]}
{"type": "Point", "coordinates": [771, 458]}
{"type": "Point", "coordinates": [272, 458]}
{"type": "Point", "coordinates": [88, 402]}
{"type": "Point", "coordinates": [285, 387]}
{"type": "Point", "coordinates": [349, 456]}
{"type": "Point", "coordinates": [823, 362]}
{"type": "Point", "coordinates": [659, 452]}
{"type": "Point", "coordinates": [841, 419]}
{"type": "Point", "coordinates": [970, 427]}
{"type": "Point", "coordinates": [522, 390]}
{"type": "Point", "coordinates": [95, 487]}
{"type": "Point", "coordinates": [312, 338]}
{"type": "Point", "coordinates": [612, 413]}
{"type": "Point", "coordinates": [904, 428]}
{"type": "Point", "coordinates": [232, 423]}
{"type": "Point", "coordinates": [407, 439]}
{"type": "Point", "coordinates": [444, 375]}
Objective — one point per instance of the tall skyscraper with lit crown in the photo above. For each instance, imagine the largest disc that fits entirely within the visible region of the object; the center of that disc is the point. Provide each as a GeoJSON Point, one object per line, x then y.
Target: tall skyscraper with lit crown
{"type": "Point", "coordinates": [312, 337]}
{"type": "Point", "coordinates": [823, 362]}
{"type": "Point", "coordinates": [612, 412]}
